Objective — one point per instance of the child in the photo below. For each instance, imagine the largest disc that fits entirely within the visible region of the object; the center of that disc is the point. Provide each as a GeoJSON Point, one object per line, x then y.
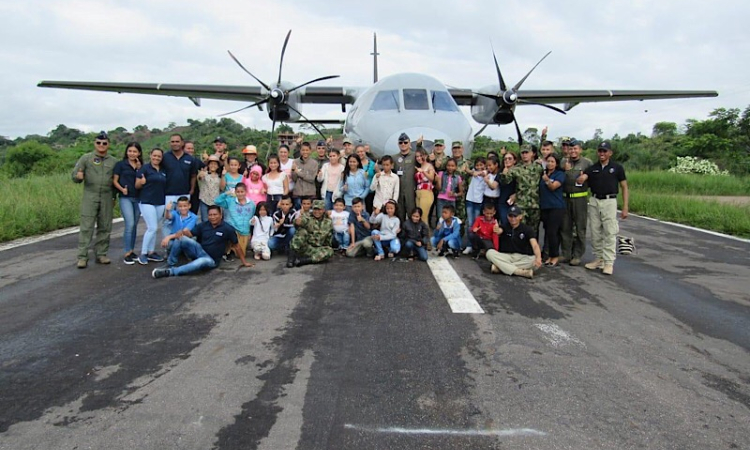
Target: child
{"type": "Point", "coordinates": [277, 184]}
{"type": "Point", "coordinates": [231, 177]}
{"type": "Point", "coordinates": [359, 230]}
{"type": "Point", "coordinates": [306, 204]}
{"type": "Point", "coordinates": [390, 226]}
{"type": "Point", "coordinates": [448, 232]}
{"type": "Point", "coordinates": [209, 185]}
{"type": "Point", "coordinates": [415, 235]}
{"type": "Point", "coordinates": [256, 189]}
{"type": "Point", "coordinates": [262, 228]}
{"type": "Point", "coordinates": [238, 210]}
{"type": "Point", "coordinates": [283, 225]}
{"type": "Point", "coordinates": [449, 185]}
{"type": "Point", "coordinates": [340, 218]}
{"type": "Point", "coordinates": [330, 177]}
{"type": "Point", "coordinates": [385, 184]}
{"type": "Point", "coordinates": [353, 181]}
{"type": "Point", "coordinates": [184, 218]}
{"type": "Point", "coordinates": [475, 195]}
{"type": "Point", "coordinates": [481, 234]}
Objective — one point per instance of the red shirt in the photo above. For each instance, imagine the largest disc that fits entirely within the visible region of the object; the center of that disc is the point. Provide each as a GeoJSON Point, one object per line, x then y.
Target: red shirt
{"type": "Point", "coordinates": [486, 229]}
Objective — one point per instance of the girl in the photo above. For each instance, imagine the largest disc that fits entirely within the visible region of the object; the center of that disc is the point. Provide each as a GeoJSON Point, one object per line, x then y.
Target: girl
{"type": "Point", "coordinates": [231, 176]}
{"type": "Point", "coordinates": [552, 207]}
{"type": "Point", "coordinates": [262, 228]}
{"type": "Point", "coordinates": [388, 232]}
{"type": "Point", "coordinates": [209, 185]}
{"type": "Point", "coordinates": [124, 181]}
{"type": "Point", "coordinates": [152, 182]}
{"type": "Point", "coordinates": [256, 189]}
{"type": "Point", "coordinates": [286, 165]}
{"type": "Point", "coordinates": [353, 181]}
{"type": "Point", "coordinates": [277, 184]}
{"type": "Point", "coordinates": [507, 190]}
{"type": "Point", "coordinates": [492, 182]}
{"type": "Point", "coordinates": [424, 177]}
{"type": "Point", "coordinates": [449, 185]}
{"type": "Point", "coordinates": [415, 236]}
{"type": "Point", "coordinates": [330, 178]}
{"type": "Point", "coordinates": [475, 194]}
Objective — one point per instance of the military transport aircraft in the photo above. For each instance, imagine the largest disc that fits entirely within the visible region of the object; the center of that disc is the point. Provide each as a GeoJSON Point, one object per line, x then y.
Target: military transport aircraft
{"type": "Point", "coordinates": [417, 104]}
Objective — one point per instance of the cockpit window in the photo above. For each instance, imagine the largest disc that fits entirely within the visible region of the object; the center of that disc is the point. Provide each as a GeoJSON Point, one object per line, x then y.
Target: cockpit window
{"type": "Point", "coordinates": [385, 100]}
{"type": "Point", "coordinates": [415, 99]}
{"type": "Point", "coordinates": [442, 101]}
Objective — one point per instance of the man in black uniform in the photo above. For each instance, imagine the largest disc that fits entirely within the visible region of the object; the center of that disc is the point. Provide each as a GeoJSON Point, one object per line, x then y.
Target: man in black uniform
{"type": "Point", "coordinates": [605, 178]}
{"type": "Point", "coordinates": [519, 250]}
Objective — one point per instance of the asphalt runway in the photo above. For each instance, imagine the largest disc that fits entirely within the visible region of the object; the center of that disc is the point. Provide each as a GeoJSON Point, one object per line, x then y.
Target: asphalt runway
{"type": "Point", "coordinates": [369, 355]}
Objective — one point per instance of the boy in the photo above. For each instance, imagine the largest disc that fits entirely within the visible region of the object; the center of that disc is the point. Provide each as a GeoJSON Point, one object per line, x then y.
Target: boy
{"type": "Point", "coordinates": [183, 219]}
{"type": "Point", "coordinates": [340, 219]}
{"type": "Point", "coordinates": [283, 224]}
{"type": "Point", "coordinates": [306, 206]}
{"type": "Point", "coordinates": [385, 184]}
{"type": "Point", "coordinates": [238, 210]}
{"type": "Point", "coordinates": [482, 235]}
{"type": "Point", "coordinates": [447, 233]}
{"type": "Point", "coordinates": [359, 230]}
{"type": "Point", "coordinates": [311, 242]}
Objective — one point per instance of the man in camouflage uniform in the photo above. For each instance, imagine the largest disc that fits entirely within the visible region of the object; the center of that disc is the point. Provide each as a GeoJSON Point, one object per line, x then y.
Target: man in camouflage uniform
{"type": "Point", "coordinates": [463, 167]}
{"type": "Point", "coordinates": [312, 241]}
{"type": "Point", "coordinates": [95, 170]}
{"type": "Point", "coordinates": [526, 176]}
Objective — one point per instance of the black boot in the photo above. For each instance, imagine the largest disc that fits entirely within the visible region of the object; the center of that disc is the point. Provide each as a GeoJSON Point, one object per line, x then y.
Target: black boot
{"type": "Point", "coordinates": [291, 258]}
{"type": "Point", "coordinates": [303, 262]}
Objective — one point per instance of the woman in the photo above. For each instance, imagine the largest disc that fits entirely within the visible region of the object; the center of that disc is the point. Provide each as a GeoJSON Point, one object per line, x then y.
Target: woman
{"type": "Point", "coordinates": [507, 190]}
{"type": "Point", "coordinates": [277, 183]}
{"type": "Point", "coordinates": [124, 181]}
{"type": "Point", "coordinates": [152, 182]}
{"type": "Point", "coordinates": [552, 207]}
{"type": "Point", "coordinates": [424, 177]}
{"type": "Point", "coordinates": [286, 164]}
{"type": "Point", "coordinates": [368, 166]}
{"type": "Point", "coordinates": [353, 181]}
{"type": "Point", "coordinates": [329, 177]}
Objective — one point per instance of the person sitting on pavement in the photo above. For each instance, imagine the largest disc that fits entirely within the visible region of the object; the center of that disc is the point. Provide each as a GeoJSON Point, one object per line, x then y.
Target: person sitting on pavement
{"type": "Point", "coordinates": [359, 230]}
{"type": "Point", "coordinates": [283, 225]}
{"type": "Point", "coordinates": [482, 232]}
{"type": "Point", "coordinates": [311, 243]}
{"type": "Point", "coordinates": [518, 251]}
{"type": "Point", "coordinates": [390, 226]}
{"type": "Point", "coordinates": [447, 236]}
{"type": "Point", "coordinates": [239, 210]}
{"type": "Point", "coordinates": [415, 235]}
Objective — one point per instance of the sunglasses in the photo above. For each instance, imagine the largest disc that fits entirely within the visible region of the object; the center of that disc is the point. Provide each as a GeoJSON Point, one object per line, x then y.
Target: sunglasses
{"type": "Point", "coordinates": [104, 143]}
{"type": "Point", "coordinates": [403, 142]}
{"type": "Point", "coordinates": [509, 159]}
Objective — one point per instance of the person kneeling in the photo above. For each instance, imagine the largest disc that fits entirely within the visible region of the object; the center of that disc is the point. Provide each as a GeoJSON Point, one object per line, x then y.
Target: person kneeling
{"type": "Point", "coordinates": [519, 250]}
{"type": "Point", "coordinates": [415, 234]}
{"type": "Point", "coordinates": [206, 251]}
{"type": "Point", "coordinates": [359, 230]}
{"type": "Point", "coordinates": [312, 242]}
{"type": "Point", "coordinates": [447, 233]}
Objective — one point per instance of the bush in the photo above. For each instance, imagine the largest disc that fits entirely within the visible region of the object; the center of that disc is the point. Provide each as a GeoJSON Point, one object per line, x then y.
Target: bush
{"type": "Point", "coordinates": [692, 164]}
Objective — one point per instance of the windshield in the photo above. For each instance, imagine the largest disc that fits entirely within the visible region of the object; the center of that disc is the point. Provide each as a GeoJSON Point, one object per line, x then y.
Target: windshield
{"type": "Point", "coordinates": [442, 101]}
{"type": "Point", "coordinates": [415, 99]}
{"type": "Point", "coordinates": [385, 100]}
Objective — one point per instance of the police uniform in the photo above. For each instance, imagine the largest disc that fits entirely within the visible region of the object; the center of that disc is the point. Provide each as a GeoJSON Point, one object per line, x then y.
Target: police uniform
{"type": "Point", "coordinates": [576, 204]}
{"type": "Point", "coordinates": [97, 202]}
{"type": "Point", "coordinates": [604, 183]}
{"type": "Point", "coordinates": [312, 239]}
{"type": "Point", "coordinates": [404, 167]}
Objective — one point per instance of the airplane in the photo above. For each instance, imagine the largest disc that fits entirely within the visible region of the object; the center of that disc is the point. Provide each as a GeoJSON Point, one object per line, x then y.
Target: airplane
{"type": "Point", "coordinates": [412, 103]}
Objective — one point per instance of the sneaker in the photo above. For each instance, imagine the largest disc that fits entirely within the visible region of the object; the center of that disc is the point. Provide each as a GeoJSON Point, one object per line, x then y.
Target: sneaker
{"type": "Point", "coordinates": [494, 269]}
{"type": "Point", "coordinates": [155, 257]}
{"type": "Point", "coordinates": [82, 263]}
{"type": "Point", "coordinates": [441, 252]}
{"type": "Point", "coordinates": [129, 259]}
{"type": "Point", "coordinates": [595, 264]}
{"type": "Point", "coordinates": [526, 273]}
{"type": "Point", "coordinates": [227, 257]}
{"type": "Point", "coordinates": [468, 250]}
{"type": "Point", "coordinates": [575, 262]}
{"type": "Point", "coordinates": [608, 269]}
{"type": "Point", "coordinates": [143, 260]}
{"type": "Point", "coordinates": [103, 260]}
{"type": "Point", "coordinates": [160, 272]}
{"type": "Point", "coordinates": [455, 253]}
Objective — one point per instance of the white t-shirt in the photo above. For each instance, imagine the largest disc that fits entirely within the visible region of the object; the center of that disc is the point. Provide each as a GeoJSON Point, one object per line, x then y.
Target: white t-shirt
{"type": "Point", "coordinates": [275, 186]}
{"type": "Point", "coordinates": [494, 193]}
{"type": "Point", "coordinates": [287, 169]}
{"type": "Point", "coordinates": [340, 221]}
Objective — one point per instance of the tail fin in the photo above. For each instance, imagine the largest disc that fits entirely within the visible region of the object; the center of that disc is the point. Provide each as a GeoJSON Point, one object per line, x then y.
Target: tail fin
{"type": "Point", "coordinates": [375, 57]}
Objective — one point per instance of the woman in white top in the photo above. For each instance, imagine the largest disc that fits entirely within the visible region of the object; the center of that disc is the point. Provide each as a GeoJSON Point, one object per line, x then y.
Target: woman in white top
{"type": "Point", "coordinates": [286, 164]}
{"type": "Point", "coordinates": [277, 183]}
{"type": "Point", "coordinates": [330, 177]}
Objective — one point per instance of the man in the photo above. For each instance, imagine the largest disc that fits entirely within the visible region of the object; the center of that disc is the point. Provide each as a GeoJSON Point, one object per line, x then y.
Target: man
{"type": "Point", "coordinates": [576, 204]}
{"type": "Point", "coordinates": [182, 171]}
{"type": "Point", "coordinates": [95, 170]}
{"type": "Point", "coordinates": [404, 167]}
{"type": "Point", "coordinates": [547, 149]}
{"type": "Point", "coordinates": [348, 148]}
{"type": "Point", "coordinates": [195, 202]}
{"type": "Point", "coordinates": [304, 175]}
{"type": "Point", "coordinates": [565, 145]}
{"type": "Point", "coordinates": [526, 176]}
{"type": "Point", "coordinates": [311, 243]}
{"type": "Point", "coordinates": [605, 178]}
{"type": "Point", "coordinates": [211, 238]}
{"type": "Point", "coordinates": [438, 156]}
{"type": "Point", "coordinates": [519, 253]}
{"type": "Point", "coordinates": [463, 168]}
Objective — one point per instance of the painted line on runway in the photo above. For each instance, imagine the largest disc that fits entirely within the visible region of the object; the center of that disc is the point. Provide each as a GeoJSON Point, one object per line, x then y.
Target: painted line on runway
{"type": "Point", "coordinates": [44, 237]}
{"type": "Point", "coordinates": [448, 432]}
{"type": "Point", "coordinates": [458, 295]}
{"type": "Point", "coordinates": [688, 227]}
{"type": "Point", "coordinates": [556, 336]}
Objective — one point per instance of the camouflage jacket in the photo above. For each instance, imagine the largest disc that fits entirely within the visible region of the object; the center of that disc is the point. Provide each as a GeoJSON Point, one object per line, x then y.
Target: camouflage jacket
{"type": "Point", "coordinates": [320, 231]}
{"type": "Point", "coordinates": [526, 177]}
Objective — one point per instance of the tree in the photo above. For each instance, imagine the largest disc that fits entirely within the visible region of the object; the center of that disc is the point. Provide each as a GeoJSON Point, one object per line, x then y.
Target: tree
{"type": "Point", "coordinates": [664, 129]}
{"type": "Point", "coordinates": [20, 160]}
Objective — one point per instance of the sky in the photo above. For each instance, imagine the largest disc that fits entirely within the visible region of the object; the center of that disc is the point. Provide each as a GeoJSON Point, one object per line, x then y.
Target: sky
{"type": "Point", "coordinates": [618, 44]}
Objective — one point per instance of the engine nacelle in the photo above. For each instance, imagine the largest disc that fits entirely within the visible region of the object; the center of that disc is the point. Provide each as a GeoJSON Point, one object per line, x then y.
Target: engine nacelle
{"type": "Point", "coordinates": [280, 101]}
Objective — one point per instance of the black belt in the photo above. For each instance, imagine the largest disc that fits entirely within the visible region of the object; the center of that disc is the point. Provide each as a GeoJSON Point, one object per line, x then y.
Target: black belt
{"type": "Point", "coordinates": [605, 196]}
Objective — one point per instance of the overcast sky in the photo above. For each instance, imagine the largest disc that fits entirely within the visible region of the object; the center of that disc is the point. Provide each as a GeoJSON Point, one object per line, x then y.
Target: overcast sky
{"type": "Point", "coordinates": [618, 44]}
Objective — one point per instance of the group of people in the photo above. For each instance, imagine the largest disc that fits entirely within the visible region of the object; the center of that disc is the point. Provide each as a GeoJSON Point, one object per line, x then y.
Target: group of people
{"type": "Point", "coordinates": [312, 205]}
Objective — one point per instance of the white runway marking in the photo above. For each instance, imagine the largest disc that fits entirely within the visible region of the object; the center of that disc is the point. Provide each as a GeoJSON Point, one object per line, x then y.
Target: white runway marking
{"type": "Point", "coordinates": [556, 336]}
{"type": "Point", "coordinates": [712, 233]}
{"type": "Point", "coordinates": [433, 431]}
{"type": "Point", "coordinates": [44, 237]}
{"type": "Point", "coordinates": [458, 295]}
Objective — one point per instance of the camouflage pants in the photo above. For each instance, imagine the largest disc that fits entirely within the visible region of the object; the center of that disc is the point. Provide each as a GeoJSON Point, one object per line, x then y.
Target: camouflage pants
{"type": "Point", "coordinates": [461, 212]}
{"type": "Point", "coordinates": [301, 245]}
{"type": "Point", "coordinates": [531, 217]}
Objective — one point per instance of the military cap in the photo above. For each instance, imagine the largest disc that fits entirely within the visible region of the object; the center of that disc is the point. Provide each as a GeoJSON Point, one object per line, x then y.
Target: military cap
{"type": "Point", "coordinates": [347, 141]}
{"type": "Point", "coordinates": [404, 137]}
{"type": "Point", "coordinates": [515, 210]}
{"type": "Point", "coordinates": [605, 145]}
{"type": "Point", "coordinates": [220, 139]}
{"type": "Point", "coordinates": [457, 144]}
{"type": "Point", "coordinates": [321, 143]}
{"type": "Point", "coordinates": [102, 136]}
{"type": "Point", "coordinates": [526, 148]}
{"type": "Point", "coordinates": [319, 204]}
{"type": "Point", "coordinates": [439, 141]}
{"type": "Point", "coordinates": [565, 140]}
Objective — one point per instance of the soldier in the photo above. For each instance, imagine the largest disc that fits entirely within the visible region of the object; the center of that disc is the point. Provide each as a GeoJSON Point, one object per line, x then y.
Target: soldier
{"type": "Point", "coordinates": [576, 203]}
{"type": "Point", "coordinates": [405, 168]}
{"type": "Point", "coordinates": [438, 156]}
{"type": "Point", "coordinates": [311, 243]}
{"type": "Point", "coordinates": [526, 175]}
{"type": "Point", "coordinates": [463, 169]}
{"type": "Point", "coordinates": [95, 170]}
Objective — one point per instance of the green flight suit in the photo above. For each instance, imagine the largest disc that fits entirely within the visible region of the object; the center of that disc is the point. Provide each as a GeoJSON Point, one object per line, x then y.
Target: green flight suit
{"type": "Point", "coordinates": [527, 178]}
{"type": "Point", "coordinates": [313, 238]}
{"type": "Point", "coordinates": [97, 202]}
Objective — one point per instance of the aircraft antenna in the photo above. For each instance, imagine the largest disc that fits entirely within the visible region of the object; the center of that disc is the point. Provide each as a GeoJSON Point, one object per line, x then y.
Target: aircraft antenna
{"type": "Point", "coordinates": [375, 57]}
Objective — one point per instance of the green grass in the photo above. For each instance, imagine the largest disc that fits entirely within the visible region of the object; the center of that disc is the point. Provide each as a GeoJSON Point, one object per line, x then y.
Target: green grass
{"type": "Point", "coordinates": [688, 184]}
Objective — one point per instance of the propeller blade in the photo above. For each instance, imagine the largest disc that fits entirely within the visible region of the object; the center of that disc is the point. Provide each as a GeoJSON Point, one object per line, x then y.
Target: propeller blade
{"type": "Point", "coordinates": [283, 50]}
{"type": "Point", "coordinates": [265, 100]}
{"type": "Point", "coordinates": [518, 130]}
{"type": "Point", "coordinates": [553, 108]}
{"type": "Point", "coordinates": [518, 85]}
{"type": "Point", "coordinates": [308, 120]}
{"type": "Point", "coordinates": [313, 81]}
{"type": "Point", "coordinates": [270, 139]}
{"type": "Point", "coordinates": [497, 67]}
{"type": "Point", "coordinates": [481, 130]}
{"type": "Point", "coordinates": [248, 72]}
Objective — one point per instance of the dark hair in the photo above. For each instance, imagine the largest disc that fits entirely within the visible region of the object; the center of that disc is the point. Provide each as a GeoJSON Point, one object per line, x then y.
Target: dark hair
{"type": "Point", "coordinates": [547, 144]}
{"type": "Point", "coordinates": [348, 171]}
{"type": "Point", "coordinates": [137, 146]}
{"type": "Point", "coordinates": [493, 153]}
{"type": "Point", "coordinates": [178, 135]}
{"type": "Point", "coordinates": [260, 205]}
{"type": "Point", "coordinates": [423, 152]}
{"type": "Point", "coordinates": [240, 185]}
{"type": "Point", "coordinates": [216, 207]}
{"type": "Point", "coordinates": [453, 160]}
{"type": "Point", "coordinates": [514, 155]}
{"type": "Point", "coordinates": [386, 158]}
{"type": "Point", "coordinates": [356, 201]}
{"type": "Point", "coordinates": [339, 200]}
{"type": "Point", "coordinates": [283, 146]}
{"type": "Point", "coordinates": [416, 210]}
{"type": "Point", "coordinates": [334, 150]}
{"type": "Point", "coordinates": [155, 149]}
{"type": "Point", "coordinates": [183, 198]}
{"type": "Point", "coordinates": [557, 161]}
{"type": "Point", "coordinates": [493, 160]}
{"type": "Point", "coordinates": [188, 142]}
{"type": "Point", "coordinates": [450, 208]}
{"type": "Point", "coordinates": [480, 159]}
{"type": "Point", "coordinates": [392, 202]}
{"type": "Point", "coordinates": [358, 146]}
{"type": "Point", "coordinates": [306, 144]}
{"type": "Point", "coordinates": [286, 197]}
{"type": "Point", "coordinates": [489, 205]}
{"type": "Point", "coordinates": [229, 159]}
{"type": "Point", "coordinates": [268, 163]}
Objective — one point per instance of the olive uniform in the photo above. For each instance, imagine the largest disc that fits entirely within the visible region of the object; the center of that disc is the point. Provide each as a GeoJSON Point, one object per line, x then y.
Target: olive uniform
{"type": "Point", "coordinates": [462, 169]}
{"type": "Point", "coordinates": [526, 177]}
{"type": "Point", "coordinates": [404, 167]}
{"type": "Point", "coordinates": [97, 202]}
{"type": "Point", "coordinates": [576, 204]}
{"type": "Point", "coordinates": [313, 237]}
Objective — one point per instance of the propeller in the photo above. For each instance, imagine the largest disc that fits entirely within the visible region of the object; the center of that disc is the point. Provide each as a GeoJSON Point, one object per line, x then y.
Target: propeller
{"type": "Point", "coordinates": [277, 98]}
{"type": "Point", "coordinates": [508, 98]}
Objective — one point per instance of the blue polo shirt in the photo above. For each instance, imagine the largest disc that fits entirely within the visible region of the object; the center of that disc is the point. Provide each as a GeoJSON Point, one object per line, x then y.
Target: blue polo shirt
{"type": "Point", "coordinates": [214, 239]}
{"type": "Point", "coordinates": [127, 174]}
{"type": "Point", "coordinates": [360, 232]}
{"type": "Point", "coordinates": [178, 172]}
{"type": "Point", "coordinates": [552, 199]}
{"type": "Point", "coordinates": [152, 193]}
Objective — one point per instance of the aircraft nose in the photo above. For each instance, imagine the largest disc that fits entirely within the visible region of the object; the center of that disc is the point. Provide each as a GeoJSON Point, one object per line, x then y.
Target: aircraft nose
{"type": "Point", "coordinates": [428, 138]}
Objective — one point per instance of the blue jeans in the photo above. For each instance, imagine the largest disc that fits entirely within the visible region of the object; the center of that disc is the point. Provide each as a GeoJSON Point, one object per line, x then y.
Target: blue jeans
{"type": "Point", "coordinates": [393, 244]}
{"type": "Point", "coordinates": [410, 246]}
{"type": "Point", "coordinates": [329, 200]}
{"type": "Point", "coordinates": [272, 203]}
{"type": "Point", "coordinates": [473, 210]}
{"type": "Point", "coordinates": [131, 213]}
{"type": "Point", "coordinates": [280, 243]}
{"type": "Point", "coordinates": [204, 212]}
{"type": "Point", "coordinates": [453, 243]}
{"type": "Point", "coordinates": [193, 250]}
{"type": "Point", "coordinates": [152, 215]}
{"type": "Point", "coordinates": [342, 239]}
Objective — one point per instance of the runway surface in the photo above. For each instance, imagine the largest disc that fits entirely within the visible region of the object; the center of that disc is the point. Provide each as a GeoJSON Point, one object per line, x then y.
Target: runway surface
{"type": "Point", "coordinates": [370, 355]}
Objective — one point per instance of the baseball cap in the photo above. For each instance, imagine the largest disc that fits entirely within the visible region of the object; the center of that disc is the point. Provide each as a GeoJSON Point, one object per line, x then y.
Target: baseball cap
{"type": "Point", "coordinates": [439, 141]}
{"type": "Point", "coordinates": [220, 139]}
{"type": "Point", "coordinates": [457, 144]}
{"type": "Point", "coordinates": [565, 140]}
{"type": "Point", "coordinates": [319, 204]}
{"type": "Point", "coordinates": [250, 149]}
{"type": "Point", "coordinates": [526, 148]}
{"type": "Point", "coordinates": [605, 145]}
{"type": "Point", "coordinates": [515, 210]}
{"type": "Point", "coordinates": [347, 141]}
{"type": "Point", "coordinates": [321, 143]}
